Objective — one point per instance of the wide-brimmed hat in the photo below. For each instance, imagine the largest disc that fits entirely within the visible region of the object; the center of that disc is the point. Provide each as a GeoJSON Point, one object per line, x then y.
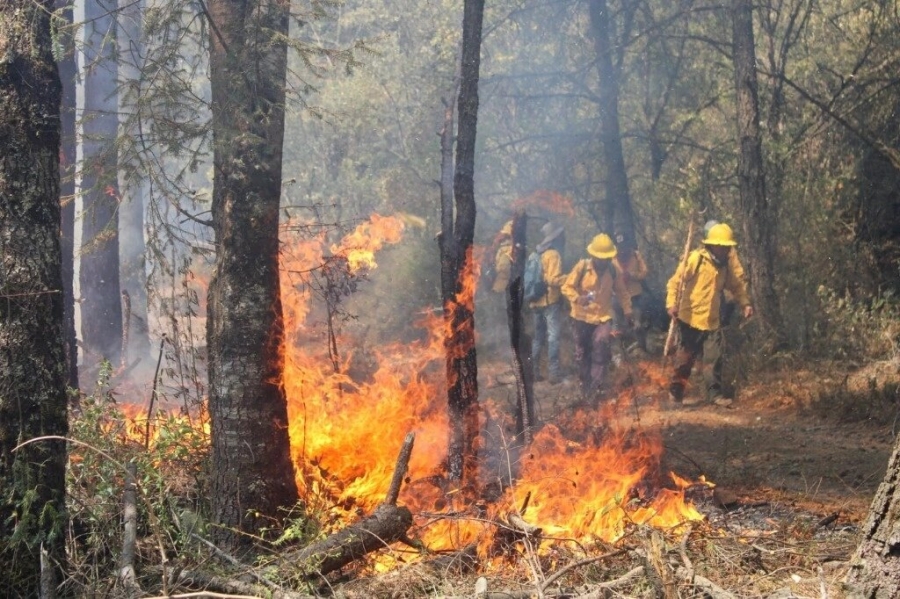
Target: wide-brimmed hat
{"type": "Point", "coordinates": [602, 247]}
{"type": "Point", "coordinates": [550, 231]}
{"type": "Point", "coordinates": [720, 234]}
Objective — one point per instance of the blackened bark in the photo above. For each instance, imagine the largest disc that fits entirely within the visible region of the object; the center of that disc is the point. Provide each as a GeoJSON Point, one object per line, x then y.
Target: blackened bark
{"type": "Point", "coordinates": [32, 356]}
{"type": "Point", "coordinates": [755, 206]}
{"type": "Point", "coordinates": [519, 339]}
{"type": "Point", "coordinates": [68, 70]}
{"type": "Point", "coordinates": [875, 567]}
{"type": "Point", "coordinates": [616, 214]}
{"type": "Point", "coordinates": [459, 309]}
{"type": "Point", "coordinates": [252, 470]}
{"type": "Point", "coordinates": [101, 304]}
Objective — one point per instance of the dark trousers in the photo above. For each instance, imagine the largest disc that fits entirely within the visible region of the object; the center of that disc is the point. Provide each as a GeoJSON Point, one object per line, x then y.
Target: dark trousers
{"type": "Point", "coordinates": [593, 353]}
{"type": "Point", "coordinates": [690, 347]}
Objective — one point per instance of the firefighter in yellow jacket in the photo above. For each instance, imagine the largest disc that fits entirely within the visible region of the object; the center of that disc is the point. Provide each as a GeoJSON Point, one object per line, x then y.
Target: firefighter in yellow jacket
{"type": "Point", "coordinates": [502, 258]}
{"type": "Point", "coordinates": [590, 288]}
{"type": "Point", "coordinates": [694, 299]}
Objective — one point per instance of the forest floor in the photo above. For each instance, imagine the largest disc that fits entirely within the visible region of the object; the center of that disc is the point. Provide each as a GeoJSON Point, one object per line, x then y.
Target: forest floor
{"type": "Point", "coordinates": [796, 460]}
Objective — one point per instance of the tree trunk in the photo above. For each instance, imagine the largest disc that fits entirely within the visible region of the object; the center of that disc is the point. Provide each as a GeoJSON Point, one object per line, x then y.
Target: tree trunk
{"type": "Point", "coordinates": [32, 355]}
{"type": "Point", "coordinates": [758, 218]}
{"type": "Point", "coordinates": [68, 71]}
{"type": "Point", "coordinates": [132, 249]}
{"type": "Point", "coordinates": [252, 471]}
{"type": "Point", "coordinates": [101, 305]}
{"type": "Point", "coordinates": [616, 215]}
{"type": "Point", "coordinates": [875, 568]}
{"type": "Point", "coordinates": [457, 261]}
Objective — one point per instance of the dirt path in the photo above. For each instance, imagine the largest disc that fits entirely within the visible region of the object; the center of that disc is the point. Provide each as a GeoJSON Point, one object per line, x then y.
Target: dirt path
{"type": "Point", "coordinates": [769, 446]}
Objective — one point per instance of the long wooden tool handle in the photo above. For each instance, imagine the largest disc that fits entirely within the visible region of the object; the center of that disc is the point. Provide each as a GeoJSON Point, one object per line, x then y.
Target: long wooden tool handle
{"type": "Point", "coordinates": [670, 337]}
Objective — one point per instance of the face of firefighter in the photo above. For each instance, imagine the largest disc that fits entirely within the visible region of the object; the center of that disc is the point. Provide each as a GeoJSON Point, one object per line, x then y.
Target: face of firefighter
{"type": "Point", "coordinates": [600, 264]}
{"type": "Point", "coordinates": [719, 252]}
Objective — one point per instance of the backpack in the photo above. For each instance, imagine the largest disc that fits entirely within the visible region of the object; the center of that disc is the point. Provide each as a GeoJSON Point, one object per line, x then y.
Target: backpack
{"type": "Point", "coordinates": [534, 286]}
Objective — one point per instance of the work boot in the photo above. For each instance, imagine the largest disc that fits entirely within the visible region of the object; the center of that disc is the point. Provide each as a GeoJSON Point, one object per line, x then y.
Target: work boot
{"type": "Point", "coordinates": [723, 402]}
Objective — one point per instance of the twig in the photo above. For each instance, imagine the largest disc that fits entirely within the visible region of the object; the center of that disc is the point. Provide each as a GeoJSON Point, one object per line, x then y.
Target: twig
{"type": "Point", "coordinates": [208, 594]}
{"type": "Point", "coordinates": [162, 343]}
{"type": "Point", "coordinates": [235, 562]}
{"type": "Point", "coordinates": [597, 592]}
{"type": "Point", "coordinates": [584, 562]}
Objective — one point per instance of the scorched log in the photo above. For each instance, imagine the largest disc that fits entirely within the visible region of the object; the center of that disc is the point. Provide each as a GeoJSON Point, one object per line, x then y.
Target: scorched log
{"type": "Point", "coordinates": [387, 524]}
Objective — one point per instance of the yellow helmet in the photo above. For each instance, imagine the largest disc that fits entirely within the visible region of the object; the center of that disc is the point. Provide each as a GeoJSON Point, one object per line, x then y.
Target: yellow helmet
{"type": "Point", "coordinates": [720, 234]}
{"type": "Point", "coordinates": [507, 228]}
{"type": "Point", "coordinates": [602, 247]}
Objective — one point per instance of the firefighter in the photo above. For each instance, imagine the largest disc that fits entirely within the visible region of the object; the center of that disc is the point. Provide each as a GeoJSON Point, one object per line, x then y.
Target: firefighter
{"type": "Point", "coordinates": [502, 258]}
{"type": "Point", "coordinates": [590, 288]}
{"type": "Point", "coordinates": [694, 298]}
{"type": "Point", "coordinates": [548, 309]}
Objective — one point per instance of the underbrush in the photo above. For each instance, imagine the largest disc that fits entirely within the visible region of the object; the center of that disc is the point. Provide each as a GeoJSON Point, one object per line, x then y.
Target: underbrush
{"type": "Point", "coordinates": [164, 456]}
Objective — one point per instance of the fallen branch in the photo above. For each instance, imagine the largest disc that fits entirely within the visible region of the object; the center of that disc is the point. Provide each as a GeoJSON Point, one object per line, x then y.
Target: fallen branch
{"type": "Point", "coordinates": [704, 584]}
{"type": "Point", "coordinates": [388, 524]}
{"type": "Point", "coordinates": [400, 469]}
{"type": "Point", "coordinates": [214, 586]}
{"type": "Point", "coordinates": [127, 576]}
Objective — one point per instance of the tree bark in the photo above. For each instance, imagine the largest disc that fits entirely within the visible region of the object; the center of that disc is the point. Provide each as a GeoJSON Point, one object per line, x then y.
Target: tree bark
{"type": "Point", "coordinates": [386, 525]}
{"type": "Point", "coordinates": [252, 473]}
{"type": "Point", "coordinates": [755, 205]}
{"type": "Point", "coordinates": [616, 214]}
{"type": "Point", "coordinates": [132, 249]}
{"type": "Point", "coordinates": [457, 261]}
{"type": "Point", "coordinates": [875, 567]}
{"type": "Point", "coordinates": [101, 306]}
{"type": "Point", "coordinates": [32, 355]}
{"type": "Point", "coordinates": [68, 71]}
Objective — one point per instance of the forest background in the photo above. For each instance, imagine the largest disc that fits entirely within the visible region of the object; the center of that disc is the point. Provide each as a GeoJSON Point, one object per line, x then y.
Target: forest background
{"type": "Point", "coordinates": [367, 92]}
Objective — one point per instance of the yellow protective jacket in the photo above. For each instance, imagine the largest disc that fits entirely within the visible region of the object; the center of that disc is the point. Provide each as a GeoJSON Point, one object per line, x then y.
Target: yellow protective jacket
{"type": "Point", "coordinates": [701, 289]}
{"type": "Point", "coordinates": [635, 271]}
{"type": "Point", "coordinates": [551, 264]}
{"type": "Point", "coordinates": [583, 280]}
{"type": "Point", "coordinates": [502, 266]}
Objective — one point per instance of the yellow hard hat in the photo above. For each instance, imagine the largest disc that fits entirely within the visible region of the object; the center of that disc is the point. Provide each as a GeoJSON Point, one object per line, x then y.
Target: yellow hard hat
{"type": "Point", "coordinates": [602, 247]}
{"type": "Point", "coordinates": [507, 228]}
{"type": "Point", "coordinates": [720, 234]}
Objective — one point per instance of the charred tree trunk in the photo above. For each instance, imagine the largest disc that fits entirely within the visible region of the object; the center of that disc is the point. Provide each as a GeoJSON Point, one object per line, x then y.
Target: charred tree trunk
{"type": "Point", "coordinates": [32, 355]}
{"type": "Point", "coordinates": [875, 568]}
{"type": "Point", "coordinates": [616, 215]}
{"type": "Point", "coordinates": [519, 339]}
{"type": "Point", "coordinates": [457, 276]}
{"type": "Point", "coordinates": [68, 70]}
{"type": "Point", "coordinates": [755, 205]}
{"type": "Point", "coordinates": [101, 306]}
{"type": "Point", "coordinates": [252, 471]}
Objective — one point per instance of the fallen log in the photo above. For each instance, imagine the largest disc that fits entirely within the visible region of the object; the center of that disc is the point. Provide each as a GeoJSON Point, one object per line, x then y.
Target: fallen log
{"type": "Point", "coordinates": [388, 524]}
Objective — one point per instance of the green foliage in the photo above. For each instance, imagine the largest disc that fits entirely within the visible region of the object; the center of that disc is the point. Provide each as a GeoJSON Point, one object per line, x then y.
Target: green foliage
{"type": "Point", "coordinates": [170, 463]}
{"type": "Point", "coordinates": [859, 330]}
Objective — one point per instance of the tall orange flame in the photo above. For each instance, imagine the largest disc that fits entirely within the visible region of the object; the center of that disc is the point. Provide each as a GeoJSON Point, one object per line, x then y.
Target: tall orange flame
{"type": "Point", "coordinates": [346, 431]}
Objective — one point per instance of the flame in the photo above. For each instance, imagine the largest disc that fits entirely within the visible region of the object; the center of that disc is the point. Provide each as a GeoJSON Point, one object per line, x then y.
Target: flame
{"type": "Point", "coordinates": [346, 431]}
